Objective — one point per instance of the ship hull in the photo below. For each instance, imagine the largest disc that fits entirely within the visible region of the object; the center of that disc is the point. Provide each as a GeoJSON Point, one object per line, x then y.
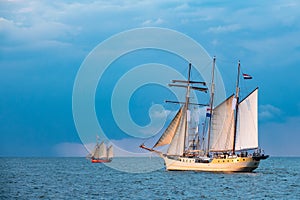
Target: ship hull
{"type": "Point", "coordinates": [237, 164]}
{"type": "Point", "coordinates": [100, 160]}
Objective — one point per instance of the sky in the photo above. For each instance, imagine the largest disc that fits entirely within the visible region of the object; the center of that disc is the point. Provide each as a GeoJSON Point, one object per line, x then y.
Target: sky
{"type": "Point", "coordinates": [44, 43]}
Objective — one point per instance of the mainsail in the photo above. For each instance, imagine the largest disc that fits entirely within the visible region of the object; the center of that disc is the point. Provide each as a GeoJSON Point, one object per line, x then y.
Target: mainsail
{"type": "Point", "coordinates": [102, 150]}
{"type": "Point", "coordinates": [229, 127]}
{"type": "Point", "coordinates": [95, 151]}
{"type": "Point", "coordinates": [221, 138]}
{"type": "Point", "coordinates": [247, 130]}
{"type": "Point", "coordinates": [110, 152]}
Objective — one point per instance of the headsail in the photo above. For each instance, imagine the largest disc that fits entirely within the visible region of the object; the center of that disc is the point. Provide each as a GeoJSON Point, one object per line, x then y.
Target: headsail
{"type": "Point", "coordinates": [178, 142]}
{"type": "Point", "coordinates": [247, 129]}
{"type": "Point", "coordinates": [95, 152]}
{"type": "Point", "coordinates": [169, 133]}
{"type": "Point", "coordinates": [175, 134]}
{"type": "Point", "coordinates": [221, 138]}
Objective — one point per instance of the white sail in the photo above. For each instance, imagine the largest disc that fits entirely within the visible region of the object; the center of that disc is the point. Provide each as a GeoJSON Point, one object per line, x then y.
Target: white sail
{"type": "Point", "coordinates": [92, 154]}
{"type": "Point", "coordinates": [110, 153]}
{"type": "Point", "coordinates": [247, 130]}
{"type": "Point", "coordinates": [188, 114]}
{"type": "Point", "coordinates": [95, 152]}
{"type": "Point", "coordinates": [193, 135]}
{"type": "Point", "coordinates": [222, 133]}
{"type": "Point", "coordinates": [102, 150]}
{"type": "Point", "coordinates": [169, 133]}
{"type": "Point", "coordinates": [232, 127]}
{"type": "Point", "coordinates": [177, 144]}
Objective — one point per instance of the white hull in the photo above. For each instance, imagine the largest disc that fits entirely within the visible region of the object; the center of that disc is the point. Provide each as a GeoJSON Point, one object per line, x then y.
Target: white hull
{"type": "Point", "coordinates": [237, 164]}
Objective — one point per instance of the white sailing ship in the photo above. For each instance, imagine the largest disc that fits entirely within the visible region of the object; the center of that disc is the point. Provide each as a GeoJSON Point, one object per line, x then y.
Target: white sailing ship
{"type": "Point", "coordinates": [230, 141]}
{"type": "Point", "coordinates": [101, 153]}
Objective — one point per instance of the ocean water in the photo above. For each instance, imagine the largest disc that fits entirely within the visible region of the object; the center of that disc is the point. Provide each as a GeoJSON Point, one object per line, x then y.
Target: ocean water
{"type": "Point", "coordinates": [77, 178]}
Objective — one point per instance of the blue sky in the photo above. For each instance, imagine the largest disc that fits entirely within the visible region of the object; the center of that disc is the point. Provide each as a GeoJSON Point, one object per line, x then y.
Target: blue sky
{"type": "Point", "coordinates": [43, 44]}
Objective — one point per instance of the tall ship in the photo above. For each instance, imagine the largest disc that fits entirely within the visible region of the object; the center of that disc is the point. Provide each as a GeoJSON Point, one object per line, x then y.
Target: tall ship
{"type": "Point", "coordinates": [229, 139]}
{"type": "Point", "coordinates": [101, 153]}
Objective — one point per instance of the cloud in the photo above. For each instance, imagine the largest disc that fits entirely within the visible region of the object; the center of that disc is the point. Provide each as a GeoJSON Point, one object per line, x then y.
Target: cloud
{"type": "Point", "coordinates": [269, 112]}
{"type": "Point", "coordinates": [265, 34]}
{"type": "Point", "coordinates": [19, 35]}
{"type": "Point", "coordinates": [128, 147]}
{"type": "Point", "coordinates": [158, 115]}
{"type": "Point", "coordinates": [153, 22]}
{"type": "Point", "coordinates": [281, 138]}
{"type": "Point", "coordinates": [271, 46]}
{"type": "Point", "coordinates": [224, 29]}
{"type": "Point", "coordinates": [161, 114]}
{"type": "Point", "coordinates": [5, 24]}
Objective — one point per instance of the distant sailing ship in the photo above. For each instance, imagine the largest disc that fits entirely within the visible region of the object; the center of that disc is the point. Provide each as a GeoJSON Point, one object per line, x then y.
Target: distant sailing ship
{"type": "Point", "coordinates": [231, 133]}
{"type": "Point", "coordinates": [101, 154]}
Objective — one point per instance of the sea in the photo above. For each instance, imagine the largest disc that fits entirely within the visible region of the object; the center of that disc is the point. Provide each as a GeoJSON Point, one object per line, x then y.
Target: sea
{"type": "Point", "coordinates": [141, 178]}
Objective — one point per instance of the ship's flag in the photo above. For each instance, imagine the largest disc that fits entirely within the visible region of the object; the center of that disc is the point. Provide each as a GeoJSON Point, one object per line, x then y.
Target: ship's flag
{"type": "Point", "coordinates": [247, 76]}
{"type": "Point", "coordinates": [208, 112]}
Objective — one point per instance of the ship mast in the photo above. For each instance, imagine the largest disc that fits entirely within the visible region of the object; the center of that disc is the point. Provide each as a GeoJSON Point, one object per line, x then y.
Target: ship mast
{"type": "Point", "coordinates": [187, 99]}
{"type": "Point", "coordinates": [236, 106]}
{"type": "Point", "coordinates": [212, 93]}
{"type": "Point", "coordinates": [188, 84]}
